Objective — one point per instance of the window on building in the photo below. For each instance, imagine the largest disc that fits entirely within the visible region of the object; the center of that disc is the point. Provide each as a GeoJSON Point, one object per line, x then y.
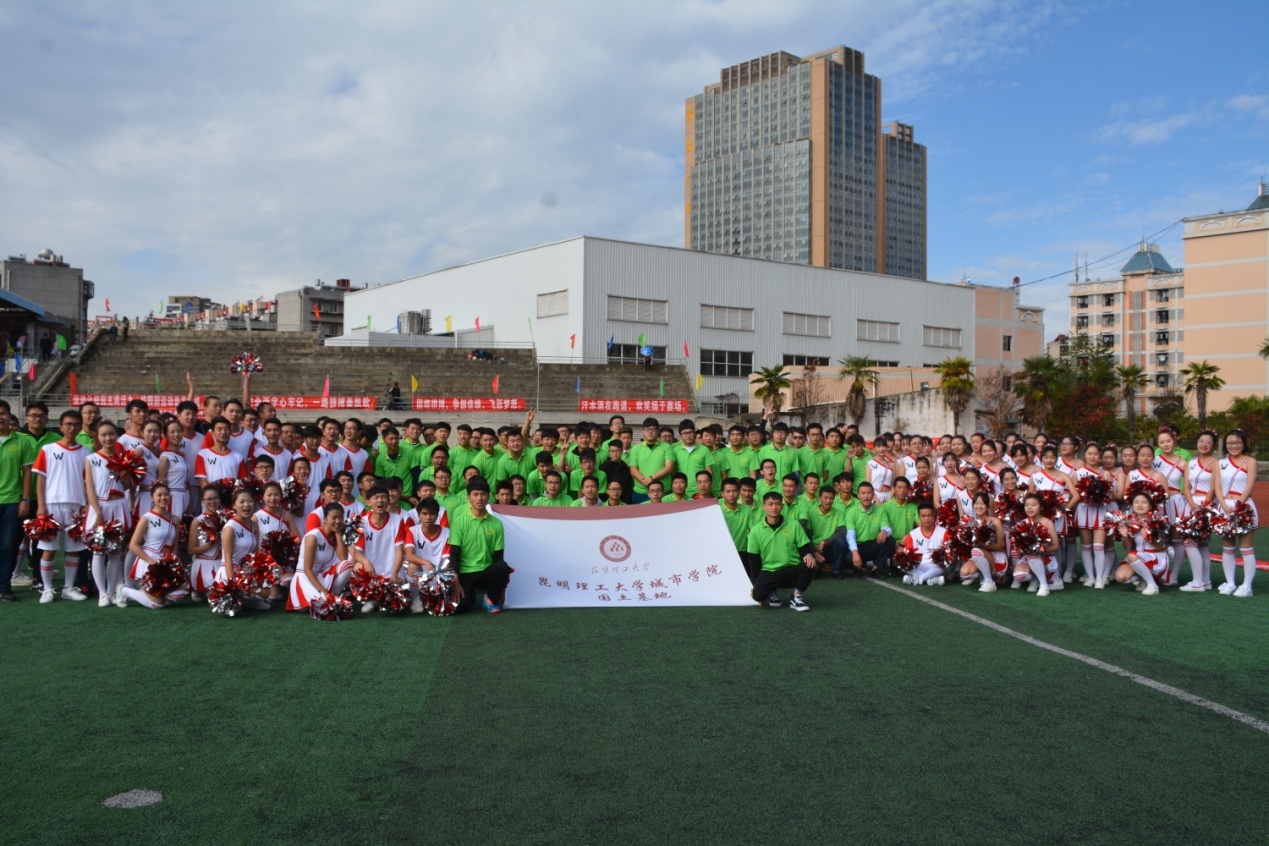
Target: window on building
{"type": "Point", "coordinates": [1108, 300]}
{"type": "Point", "coordinates": [636, 310]}
{"type": "Point", "coordinates": [1006, 343]}
{"type": "Point", "coordinates": [941, 336]}
{"type": "Point", "coordinates": [805, 360]}
{"type": "Point", "coordinates": [1161, 316]}
{"type": "Point", "coordinates": [876, 363]}
{"type": "Point", "coordinates": [1163, 296]}
{"type": "Point", "coordinates": [1161, 380]}
{"type": "Point", "coordinates": [553, 304]}
{"type": "Point", "coordinates": [629, 354]}
{"type": "Point", "coordinates": [726, 317]}
{"type": "Point", "coordinates": [1161, 358]}
{"type": "Point", "coordinates": [726, 363]}
{"type": "Point", "coordinates": [815, 325]}
{"type": "Point", "coordinates": [1161, 337]}
{"type": "Point", "coordinates": [1108, 320]}
{"type": "Point", "coordinates": [1081, 322]}
{"type": "Point", "coordinates": [876, 330]}
{"type": "Point", "coordinates": [1081, 302]}
{"type": "Point", "coordinates": [1108, 340]}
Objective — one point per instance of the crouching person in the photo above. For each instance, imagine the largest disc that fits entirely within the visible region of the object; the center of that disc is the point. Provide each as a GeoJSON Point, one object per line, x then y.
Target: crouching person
{"type": "Point", "coordinates": [475, 551]}
{"type": "Point", "coordinates": [781, 554]}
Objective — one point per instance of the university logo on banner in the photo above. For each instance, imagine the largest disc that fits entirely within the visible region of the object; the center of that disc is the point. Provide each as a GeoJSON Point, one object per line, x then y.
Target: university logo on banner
{"type": "Point", "coordinates": [622, 557]}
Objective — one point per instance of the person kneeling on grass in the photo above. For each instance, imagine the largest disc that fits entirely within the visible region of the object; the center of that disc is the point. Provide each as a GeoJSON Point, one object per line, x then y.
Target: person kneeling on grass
{"type": "Point", "coordinates": [925, 538]}
{"type": "Point", "coordinates": [476, 552]}
{"type": "Point", "coordinates": [781, 554]}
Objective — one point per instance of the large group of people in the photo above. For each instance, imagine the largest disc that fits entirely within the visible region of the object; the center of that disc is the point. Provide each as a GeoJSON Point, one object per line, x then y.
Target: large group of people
{"type": "Point", "coordinates": [403, 499]}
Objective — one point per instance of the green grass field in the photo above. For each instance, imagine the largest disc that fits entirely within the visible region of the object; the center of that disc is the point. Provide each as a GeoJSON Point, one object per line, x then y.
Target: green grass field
{"type": "Point", "coordinates": [873, 719]}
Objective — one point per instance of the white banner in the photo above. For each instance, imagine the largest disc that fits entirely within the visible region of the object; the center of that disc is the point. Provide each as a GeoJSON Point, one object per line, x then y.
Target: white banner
{"type": "Point", "coordinates": [627, 557]}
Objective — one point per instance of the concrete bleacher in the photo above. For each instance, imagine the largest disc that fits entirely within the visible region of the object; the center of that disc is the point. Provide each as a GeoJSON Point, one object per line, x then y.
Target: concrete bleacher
{"type": "Point", "coordinates": [295, 364]}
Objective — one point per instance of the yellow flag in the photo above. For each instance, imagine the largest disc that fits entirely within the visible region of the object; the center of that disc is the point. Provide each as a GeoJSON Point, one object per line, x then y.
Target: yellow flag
{"type": "Point", "coordinates": [700, 381]}
{"type": "Point", "coordinates": [449, 324]}
{"type": "Point", "coordinates": [414, 384]}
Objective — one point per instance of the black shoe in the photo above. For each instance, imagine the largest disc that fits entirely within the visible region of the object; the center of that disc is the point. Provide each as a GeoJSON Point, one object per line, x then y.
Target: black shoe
{"type": "Point", "coordinates": [837, 575]}
{"type": "Point", "coordinates": [8, 596]}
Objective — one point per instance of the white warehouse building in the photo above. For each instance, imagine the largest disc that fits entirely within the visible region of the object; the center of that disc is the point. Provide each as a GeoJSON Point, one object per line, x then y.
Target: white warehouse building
{"type": "Point", "coordinates": [591, 299]}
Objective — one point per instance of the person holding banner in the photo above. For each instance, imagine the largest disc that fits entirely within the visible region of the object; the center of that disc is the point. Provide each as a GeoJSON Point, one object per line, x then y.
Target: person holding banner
{"type": "Point", "coordinates": [651, 460]}
{"type": "Point", "coordinates": [785, 556]}
{"type": "Point", "coordinates": [476, 545]}
{"type": "Point", "coordinates": [738, 518]}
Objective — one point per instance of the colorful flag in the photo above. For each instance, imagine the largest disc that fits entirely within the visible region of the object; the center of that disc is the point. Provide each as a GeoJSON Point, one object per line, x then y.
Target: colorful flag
{"type": "Point", "coordinates": [449, 323]}
{"type": "Point", "coordinates": [477, 323]}
{"type": "Point", "coordinates": [700, 382]}
{"type": "Point", "coordinates": [495, 386]}
{"type": "Point", "coordinates": [612, 340]}
{"type": "Point", "coordinates": [414, 384]}
{"type": "Point", "coordinates": [31, 372]}
{"type": "Point", "coordinates": [158, 389]}
{"type": "Point", "coordinates": [326, 388]}
{"type": "Point", "coordinates": [578, 389]}
{"type": "Point", "coordinates": [530, 327]}
{"type": "Point", "coordinates": [317, 313]}
{"type": "Point", "coordinates": [107, 305]}
{"type": "Point", "coordinates": [572, 342]}
{"type": "Point", "coordinates": [642, 341]}
{"type": "Point", "coordinates": [686, 353]}
{"type": "Point", "coordinates": [662, 394]}
{"type": "Point", "coordinates": [74, 382]}
{"type": "Point", "coordinates": [368, 319]}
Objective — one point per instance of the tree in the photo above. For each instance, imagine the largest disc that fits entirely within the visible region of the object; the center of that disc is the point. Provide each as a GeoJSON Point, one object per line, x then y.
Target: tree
{"type": "Point", "coordinates": [862, 374]}
{"type": "Point", "coordinates": [1201, 377]}
{"type": "Point", "coordinates": [807, 393]}
{"type": "Point", "coordinates": [997, 401]}
{"type": "Point", "coordinates": [1034, 384]}
{"type": "Point", "coordinates": [771, 383]}
{"type": "Point", "coordinates": [1264, 349]}
{"type": "Point", "coordinates": [957, 375]}
{"type": "Point", "coordinates": [1131, 379]}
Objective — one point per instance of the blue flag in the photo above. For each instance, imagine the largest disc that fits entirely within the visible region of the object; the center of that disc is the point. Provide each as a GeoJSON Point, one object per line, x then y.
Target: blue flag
{"type": "Point", "coordinates": [578, 389]}
{"type": "Point", "coordinates": [611, 341]}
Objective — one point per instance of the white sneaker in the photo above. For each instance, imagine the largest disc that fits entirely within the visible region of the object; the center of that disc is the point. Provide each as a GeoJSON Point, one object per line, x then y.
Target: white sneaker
{"type": "Point", "coordinates": [73, 593]}
{"type": "Point", "coordinates": [1227, 588]}
{"type": "Point", "coordinates": [1243, 591]}
{"type": "Point", "coordinates": [909, 580]}
{"type": "Point", "coordinates": [47, 596]}
{"type": "Point", "coordinates": [103, 601]}
{"type": "Point", "coordinates": [20, 580]}
{"type": "Point", "coordinates": [121, 601]}
{"type": "Point", "coordinates": [367, 607]}
{"type": "Point", "coordinates": [1042, 591]}
{"type": "Point", "coordinates": [1150, 590]}
{"type": "Point", "coordinates": [1195, 587]}
{"type": "Point", "coordinates": [1087, 581]}
{"type": "Point", "coordinates": [1034, 585]}
{"type": "Point", "coordinates": [1067, 577]}
{"type": "Point", "coordinates": [1099, 584]}
{"type": "Point", "coordinates": [1015, 586]}
{"type": "Point", "coordinates": [416, 607]}
{"type": "Point", "coordinates": [937, 581]}
{"type": "Point", "coordinates": [1057, 585]}
{"type": "Point", "coordinates": [198, 597]}
{"type": "Point", "coordinates": [987, 587]}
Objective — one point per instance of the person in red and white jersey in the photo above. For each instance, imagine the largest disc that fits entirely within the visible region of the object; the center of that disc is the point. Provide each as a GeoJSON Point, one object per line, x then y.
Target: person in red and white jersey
{"type": "Point", "coordinates": [1147, 560]}
{"type": "Point", "coordinates": [1068, 454]}
{"type": "Point", "coordinates": [1200, 489]}
{"type": "Point", "coordinates": [59, 492]}
{"type": "Point", "coordinates": [925, 538]}
{"type": "Point", "coordinates": [156, 534]}
{"type": "Point", "coordinates": [132, 437]}
{"type": "Point", "coordinates": [329, 492]}
{"type": "Point", "coordinates": [881, 470]}
{"type": "Point", "coordinates": [218, 461]}
{"type": "Point", "coordinates": [271, 446]}
{"type": "Point", "coordinates": [990, 467]}
{"type": "Point", "coordinates": [300, 473]}
{"type": "Point", "coordinates": [204, 556]}
{"type": "Point", "coordinates": [191, 440]}
{"type": "Point", "coordinates": [354, 459]}
{"type": "Point", "coordinates": [174, 471]}
{"type": "Point", "coordinates": [394, 486]}
{"type": "Point", "coordinates": [151, 452]}
{"type": "Point", "coordinates": [329, 448]}
{"type": "Point", "coordinates": [238, 539]}
{"type": "Point", "coordinates": [353, 507]}
{"type": "Point", "coordinates": [324, 564]}
{"type": "Point", "coordinates": [1237, 476]}
{"type": "Point", "coordinates": [1088, 520]}
{"type": "Point", "coordinates": [973, 483]}
{"type": "Point", "coordinates": [382, 543]}
{"type": "Point", "coordinates": [107, 500]}
{"type": "Point", "coordinates": [271, 517]}
{"type": "Point", "coordinates": [426, 547]}
{"type": "Point", "coordinates": [427, 490]}
{"type": "Point", "coordinates": [1040, 570]}
{"type": "Point", "coordinates": [950, 481]}
{"type": "Point", "coordinates": [1177, 507]}
{"type": "Point", "coordinates": [990, 561]}
{"type": "Point", "coordinates": [240, 439]}
{"type": "Point", "coordinates": [1050, 478]}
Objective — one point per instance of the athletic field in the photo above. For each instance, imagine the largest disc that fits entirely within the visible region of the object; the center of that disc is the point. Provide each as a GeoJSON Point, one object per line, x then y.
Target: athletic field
{"type": "Point", "coordinates": [875, 718]}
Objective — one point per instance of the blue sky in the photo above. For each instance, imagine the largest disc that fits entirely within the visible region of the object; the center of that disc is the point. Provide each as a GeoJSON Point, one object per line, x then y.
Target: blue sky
{"type": "Point", "coordinates": [235, 150]}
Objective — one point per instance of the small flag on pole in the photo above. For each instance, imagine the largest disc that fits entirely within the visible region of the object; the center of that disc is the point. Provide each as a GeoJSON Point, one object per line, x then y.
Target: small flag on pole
{"type": "Point", "coordinates": [495, 386]}
{"type": "Point", "coordinates": [686, 352]}
{"type": "Point", "coordinates": [612, 340]}
{"type": "Point", "coordinates": [449, 323]}
{"type": "Point", "coordinates": [158, 389]}
{"type": "Point", "coordinates": [478, 323]}
{"type": "Point", "coordinates": [642, 341]}
{"type": "Point", "coordinates": [317, 313]}
{"type": "Point", "coordinates": [578, 389]}
{"type": "Point", "coordinates": [572, 342]}
{"type": "Point", "coordinates": [368, 319]}
{"type": "Point", "coordinates": [326, 388]}
{"type": "Point", "coordinates": [414, 384]}
{"type": "Point", "coordinates": [662, 394]}
{"type": "Point", "coordinates": [107, 305]}
{"type": "Point", "coordinates": [700, 382]}
{"type": "Point", "coordinates": [74, 382]}
{"type": "Point", "coordinates": [31, 372]}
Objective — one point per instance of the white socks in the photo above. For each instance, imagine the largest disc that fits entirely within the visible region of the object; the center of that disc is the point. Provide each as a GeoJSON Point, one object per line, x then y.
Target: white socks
{"type": "Point", "coordinates": [99, 575]}
{"type": "Point", "coordinates": [46, 573]}
{"type": "Point", "coordinates": [983, 565]}
{"type": "Point", "coordinates": [1100, 570]}
{"type": "Point", "coordinates": [1228, 563]}
{"type": "Point", "coordinates": [1249, 566]}
{"type": "Point", "coordinates": [140, 597]}
{"type": "Point", "coordinates": [1139, 567]}
{"type": "Point", "coordinates": [1200, 565]}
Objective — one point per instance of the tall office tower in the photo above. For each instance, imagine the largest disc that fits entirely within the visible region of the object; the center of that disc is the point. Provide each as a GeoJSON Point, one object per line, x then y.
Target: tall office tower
{"type": "Point", "coordinates": [786, 159]}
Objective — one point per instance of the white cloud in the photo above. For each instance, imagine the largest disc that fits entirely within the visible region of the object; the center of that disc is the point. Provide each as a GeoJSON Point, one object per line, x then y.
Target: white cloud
{"type": "Point", "coordinates": [1256, 105]}
{"type": "Point", "coordinates": [1144, 131]}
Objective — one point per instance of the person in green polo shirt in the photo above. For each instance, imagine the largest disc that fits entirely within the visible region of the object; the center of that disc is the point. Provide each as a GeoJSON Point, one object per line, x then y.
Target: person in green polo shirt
{"type": "Point", "coordinates": [91, 414]}
{"type": "Point", "coordinates": [900, 512]}
{"type": "Point", "coordinates": [650, 460]}
{"type": "Point", "coordinates": [392, 462]}
{"type": "Point", "coordinates": [476, 545]}
{"type": "Point", "coordinates": [36, 428]}
{"type": "Point", "coordinates": [736, 460]}
{"type": "Point", "coordinates": [691, 457]}
{"type": "Point", "coordinates": [835, 458]}
{"type": "Point", "coordinates": [785, 556]}
{"type": "Point", "coordinates": [553, 496]}
{"type": "Point", "coordinates": [869, 537]}
{"type": "Point", "coordinates": [516, 461]}
{"type": "Point", "coordinates": [828, 530]}
{"type": "Point", "coordinates": [767, 479]}
{"type": "Point", "coordinates": [738, 516]}
{"type": "Point", "coordinates": [486, 461]}
{"type": "Point", "coordinates": [17, 454]}
{"type": "Point", "coordinates": [779, 451]}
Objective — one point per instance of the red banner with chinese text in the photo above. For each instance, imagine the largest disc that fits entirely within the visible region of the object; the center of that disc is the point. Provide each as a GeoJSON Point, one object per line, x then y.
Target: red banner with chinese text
{"type": "Point", "coordinates": [635, 406]}
{"type": "Point", "coordinates": [469, 404]}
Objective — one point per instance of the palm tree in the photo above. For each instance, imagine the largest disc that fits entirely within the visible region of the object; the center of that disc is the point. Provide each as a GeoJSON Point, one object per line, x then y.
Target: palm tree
{"type": "Point", "coordinates": [1034, 384]}
{"type": "Point", "coordinates": [1130, 379]}
{"type": "Point", "coordinates": [958, 385]}
{"type": "Point", "coordinates": [862, 374]}
{"type": "Point", "coordinates": [1200, 377]}
{"type": "Point", "coordinates": [1264, 349]}
{"type": "Point", "coordinates": [771, 382]}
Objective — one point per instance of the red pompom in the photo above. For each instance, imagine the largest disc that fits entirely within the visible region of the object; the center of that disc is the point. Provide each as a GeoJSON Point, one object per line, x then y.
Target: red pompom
{"type": "Point", "coordinates": [922, 491]}
{"type": "Point", "coordinates": [331, 607]}
{"type": "Point", "coordinates": [436, 589]}
{"type": "Point", "coordinates": [75, 531]}
{"type": "Point", "coordinates": [294, 494]}
{"type": "Point", "coordinates": [106, 538]}
{"type": "Point", "coordinates": [1009, 506]}
{"type": "Point", "coordinates": [284, 547]}
{"type": "Point", "coordinates": [906, 559]}
{"type": "Point", "coordinates": [1114, 519]}
{"type": "Point", "coordinates": [354, 529]}
{"type": "Point", "coordinates": [258, 570]}
{"type": "Point", "coordinates": [1234, 522]}
{"type": "Point", "coordinates": [227, 597]}
{"type": "Point", "coordinates": [1152, 489]}
{"type": "Point", "coordinates": [164, 575]}
{"type": "Point", "coordinates": [948, 515]}
{"type": "Point", "coordinates": [41, 528]}
{"type": "Point", "coordinates": [1050, 503]}
{"type": "Point", "coordinates": [1095, 490]}
{"type": "Point", "coordinates": [1197, 527]}
{"type": "Point", "coordinates": [940, 556]}
{"type": "Point", "coordinates": [386, 594]}
{"type": "Point", "coordinates": [1030, 537]}
{"type": "Point", "coordinates": [210, 525]}
{"type": "Point", "coordinates": [246, 362]}
{"type": "Point", "coordinates": [251, 485]}
{"type": "Point", "coordinates": [127, 466]}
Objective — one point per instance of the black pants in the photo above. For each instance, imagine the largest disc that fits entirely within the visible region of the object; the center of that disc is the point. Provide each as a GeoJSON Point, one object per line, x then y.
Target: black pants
{"type": "Point", "coordinates": [880, 554]}
{"type": "Point", "coordinates": [492, 580]}
{"type": "Point", "coordinates": [798, 577]}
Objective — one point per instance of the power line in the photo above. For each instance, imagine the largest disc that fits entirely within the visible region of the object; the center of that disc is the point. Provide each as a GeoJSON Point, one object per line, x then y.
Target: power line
{"type": "Point", "coordinates": [1104, 259]}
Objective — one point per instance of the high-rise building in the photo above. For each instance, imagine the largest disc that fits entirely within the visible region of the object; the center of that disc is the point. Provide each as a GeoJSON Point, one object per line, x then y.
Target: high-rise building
{"type": "Point", "coordinates": [787, 159]}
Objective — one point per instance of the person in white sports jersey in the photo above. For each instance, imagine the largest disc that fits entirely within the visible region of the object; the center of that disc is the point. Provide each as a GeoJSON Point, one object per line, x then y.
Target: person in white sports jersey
{"type": "Point", "coordinates": [949, 481]}
{"type": "Point", "coordinates": [925, 538]}
{"type": "Point", "coordinates": [60, 494]}
{"type": "Point", "coordinates": [324, 564]}
{"type": "Point", "coordinates": [150, 450]}
{"type": "Point", "coordinates": [330, 491]}
{"type": "Point", "coordinates": [136, 413]}
{"type": "Point", "coordinates": [271, 445]}
{"type": "Point", "coordinates": [107, 500]}
{"type": "Point", "coordinates": [272, 516]}
{"type": "Point", "coordinates": [1089, 517]}
{"type": "Point", "coordinates": [174, 471]}
{"type": "Point", "coordinates": [238, 539]}
{"type": "Point", "coordinates": [382, 544]}
{"type": "Point", "coordinates": [1202, 472]}
{"type": "Point", "coordinates": [218, 461]}
{"type": "Point", "coordinates": [1040, 571]}
{"type": "Point", "coordinates": [1147, 560]}
{"type": "Point", "coordinates": [990, 467]}
{"type": "Point", "coordinates": [351, 455]}
{"type": "Point", "coordinates": [204, 553]}
{"type": "Point", "coordinates": [1171, 467]}
{"type": "Point", "coordinates": [1237, 477]}
{"type": "Point", "coordinates": [426, 547]}
{"type": "Point", "coordinates": [157, 534]}
{"type": "Point", "coordinates": [329, 448]}
{"type": "Point", "coordinates": [240, 439]}
{"type": "Point", "coordinates": [1050, 478]}
{"type": "Point", "coordinates": [881, 471]}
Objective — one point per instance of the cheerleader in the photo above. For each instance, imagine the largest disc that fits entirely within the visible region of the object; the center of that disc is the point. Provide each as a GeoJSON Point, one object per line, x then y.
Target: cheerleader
{"type": "Point", "coordinates": [1238, 474]}
{"type": "Point", "coordinates": [1050, 478]}
{"type": "Point", "coordinates": [965, 496]}
{"type": "Point", "coordinates": [1201, 477]}
{"type": "Point", "coordinates": [156, 534]}
{"type": "Point", "coordinates": [989, 561]}
{"type": "Point", "coordinates": [301, 472]}
{"type": "Point", "coordinates": [990, 467]}
{"type": "Point", "coordinates": [238, 539]}
{"type": "Point", "coordinates": [1171, 467]}
{"type": "Point", "coordinates": [1068, 455]}
{"type": "Point", "coordinates": [1011, 492]}
{"type": "Point", "coordinates": [1145, 470]}
{"type": "Point", "coordinates": [173, 470]}
{"type": "Point", "coordinates": [951, 482]}
{"type": "Point", "coordinates": [1024, 462]}
{"type": "Point", "coordinates": [924, 484]}
{"type": "Point", "coordinates": [925, 538]}
{"type": "Point", "coordinates": [1112, 470]}
{"type": "Point", "coordinates": [1088, 519]}
{"type": "Point", "coordinates": [205, 557]}
{"type": "Point", "coordinates": [273, 517]}
{"type": "Point", "coordinates": [148, 449]}
{"type": "Point", "coordinates": [1040, 570]}
{"type": "Point", "coordinates": [324, 565]}
{"type": "Point", "coordinates": [1146, 560]}
{"type": "Point", "coordinates": [107, 502]}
